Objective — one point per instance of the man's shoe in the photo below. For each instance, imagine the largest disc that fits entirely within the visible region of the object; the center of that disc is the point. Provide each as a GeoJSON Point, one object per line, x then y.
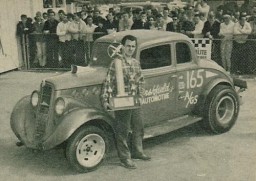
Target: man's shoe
{"type": "Point", "coordinates": [142, 157]}
{"type": "Point", "coordinates": [128, 163]}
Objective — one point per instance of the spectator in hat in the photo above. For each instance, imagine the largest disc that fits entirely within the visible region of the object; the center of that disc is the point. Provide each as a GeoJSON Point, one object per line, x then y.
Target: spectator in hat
{"type": "Point", "coordinates": [239, 55]}
{"type": "Point", "coordinates": [226, 35]}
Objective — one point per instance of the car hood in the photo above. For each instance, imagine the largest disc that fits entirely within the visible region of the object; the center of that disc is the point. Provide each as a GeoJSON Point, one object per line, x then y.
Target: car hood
{"type": "Point", "coordinates": [85, 76]}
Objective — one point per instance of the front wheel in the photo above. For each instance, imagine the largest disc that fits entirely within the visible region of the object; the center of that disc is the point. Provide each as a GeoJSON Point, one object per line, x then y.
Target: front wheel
{"type": "Point", "coordinates": [222, 108]}
{"type": "Point", "coordinates": [86, 148]}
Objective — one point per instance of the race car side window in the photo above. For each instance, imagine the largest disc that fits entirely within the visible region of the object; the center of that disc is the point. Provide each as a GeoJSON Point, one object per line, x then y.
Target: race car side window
{"type": "Point", "coordinates": [155, 57]}
{"type": "Point", "coordinates": [183, 53]}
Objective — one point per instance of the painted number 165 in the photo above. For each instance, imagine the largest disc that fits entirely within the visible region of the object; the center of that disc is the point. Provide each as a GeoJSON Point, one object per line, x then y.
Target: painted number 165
{"type": "Point", "coordinates": [195, 78]}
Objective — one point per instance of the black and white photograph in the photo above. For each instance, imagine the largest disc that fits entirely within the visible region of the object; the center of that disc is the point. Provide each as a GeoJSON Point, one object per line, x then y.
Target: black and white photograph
{"type": "Point", "coordinates": [128, 90]}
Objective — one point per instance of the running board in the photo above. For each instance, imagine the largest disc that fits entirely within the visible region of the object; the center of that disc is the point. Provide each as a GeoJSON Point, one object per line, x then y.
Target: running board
{"type": "Point", "coordinates": [170, 125]}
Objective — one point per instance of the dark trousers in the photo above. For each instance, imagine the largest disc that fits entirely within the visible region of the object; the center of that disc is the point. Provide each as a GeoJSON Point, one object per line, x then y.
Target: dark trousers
{"type": "Point", "coordinates": [78, 52]}
{"type": "Point", "coordinates": [52, 51]}
{"type": "Point", "coordinates": [129, 121]}
{"type": "Point", "coordinates": [252, 55]}
{"type": "Point", "coordinates": [66, 53]}
{"type": "Point", "coordinates": [239, 58]}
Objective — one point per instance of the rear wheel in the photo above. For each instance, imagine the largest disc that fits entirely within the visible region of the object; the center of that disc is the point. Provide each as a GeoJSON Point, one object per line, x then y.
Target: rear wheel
{"type": "Point", "coordinates": [86, 148]}
{"type": "Point", "coordinates": [222, 108]}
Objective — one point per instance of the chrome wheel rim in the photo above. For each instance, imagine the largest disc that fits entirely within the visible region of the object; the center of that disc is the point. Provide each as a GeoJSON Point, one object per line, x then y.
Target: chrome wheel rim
{"type": "Point", "coordinates": [90, 150]}
{"type": "Point", "coordinates": [225, 109]}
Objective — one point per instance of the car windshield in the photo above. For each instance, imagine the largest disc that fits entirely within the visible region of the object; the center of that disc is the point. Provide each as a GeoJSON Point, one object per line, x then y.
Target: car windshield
{"type": "Point", "coordinates": [100, 55]}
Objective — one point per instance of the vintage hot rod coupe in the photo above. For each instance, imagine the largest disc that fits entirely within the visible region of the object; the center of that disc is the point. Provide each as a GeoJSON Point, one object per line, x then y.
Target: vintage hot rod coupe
{"type": "Point", "coordinates": [179, 90]}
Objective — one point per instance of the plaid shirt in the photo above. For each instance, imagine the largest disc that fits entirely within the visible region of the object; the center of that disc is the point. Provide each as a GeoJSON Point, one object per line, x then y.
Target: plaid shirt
{"type": "Point", "coordinates": [132, 79]}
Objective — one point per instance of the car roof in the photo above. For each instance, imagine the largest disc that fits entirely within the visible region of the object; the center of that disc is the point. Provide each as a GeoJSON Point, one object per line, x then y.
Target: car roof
{"type": "Point", "coordinates": [144, 36]}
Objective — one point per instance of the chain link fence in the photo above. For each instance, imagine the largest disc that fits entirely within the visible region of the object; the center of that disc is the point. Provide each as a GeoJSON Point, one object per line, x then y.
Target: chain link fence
{"type": "Point", "coordinates": [45, 51]}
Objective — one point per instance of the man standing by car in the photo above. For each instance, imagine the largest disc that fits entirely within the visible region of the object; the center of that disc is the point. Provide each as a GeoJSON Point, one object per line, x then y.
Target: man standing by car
{"type": "Point", "coordinates": [130, 119]}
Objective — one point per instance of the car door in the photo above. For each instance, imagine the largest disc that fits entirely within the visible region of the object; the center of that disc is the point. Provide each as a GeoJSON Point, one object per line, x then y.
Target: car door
{"type": "Point", "coordinates": [158, 95]}
{"type": "Point", "coordinates": [190, 78]}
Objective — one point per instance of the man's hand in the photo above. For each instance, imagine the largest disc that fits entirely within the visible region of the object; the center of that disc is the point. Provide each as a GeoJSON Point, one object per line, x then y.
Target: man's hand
{"type": "Point", "coordinates": [106, 106]}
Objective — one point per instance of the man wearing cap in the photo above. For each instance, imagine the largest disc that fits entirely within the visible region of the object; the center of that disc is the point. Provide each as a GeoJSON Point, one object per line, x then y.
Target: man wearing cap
{"type": "Point", "coordinates": [226, 34]}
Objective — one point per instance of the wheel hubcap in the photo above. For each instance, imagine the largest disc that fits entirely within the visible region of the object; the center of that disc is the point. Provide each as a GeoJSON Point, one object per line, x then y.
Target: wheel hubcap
{"type": "Point", "coordinates": [90, 150]}
{"type": "Point", "coordinates": [225, 109]}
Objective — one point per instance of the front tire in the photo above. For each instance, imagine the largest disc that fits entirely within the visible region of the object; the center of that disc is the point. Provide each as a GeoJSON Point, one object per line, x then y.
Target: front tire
{"type": "Point", "coordinates": [221, 111]}
{"type": "Point", "coordinates": [86, 148]}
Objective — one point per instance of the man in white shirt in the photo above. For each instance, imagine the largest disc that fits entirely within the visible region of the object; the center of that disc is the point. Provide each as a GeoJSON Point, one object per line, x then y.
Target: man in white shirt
{"type": "Point", "coordinates": [78, 30]}
{"type": "Point", "coordinates": [199, 25]}
{"type": "Point", "coordinates": [64, 41]}
{"type": "Point", "coordinates": [226, 33]}
{"type": "Point", "coordinates": [167, 19]}
{"type": "Point", "coordinates": [239, 58]}
{"type": "Point", "coordinates": [89, 30]}
{"type": "Point", "coordinates": [203, 7]}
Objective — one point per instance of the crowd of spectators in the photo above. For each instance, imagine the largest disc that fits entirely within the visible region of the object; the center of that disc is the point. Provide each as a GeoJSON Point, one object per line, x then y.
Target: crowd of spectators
{"type": "Point", "coordinates": [67, 39]}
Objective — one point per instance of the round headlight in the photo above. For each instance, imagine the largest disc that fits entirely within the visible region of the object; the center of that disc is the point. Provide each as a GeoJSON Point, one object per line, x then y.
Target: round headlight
{"type": "Point", "coordinates": [59, 106]}
{"type": "Point", "coordinates": [34, 98]}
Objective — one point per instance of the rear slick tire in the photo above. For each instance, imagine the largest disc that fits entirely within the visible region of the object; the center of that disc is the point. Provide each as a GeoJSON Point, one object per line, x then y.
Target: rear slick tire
{"type": "Point", "coordinates": [221, 111]}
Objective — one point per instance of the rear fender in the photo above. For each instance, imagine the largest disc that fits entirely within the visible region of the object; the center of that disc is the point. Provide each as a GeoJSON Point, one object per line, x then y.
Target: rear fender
{"type": "Point", "coordinates": [199, 109]}
{"type": "Point", "coordinates": [74, 120]}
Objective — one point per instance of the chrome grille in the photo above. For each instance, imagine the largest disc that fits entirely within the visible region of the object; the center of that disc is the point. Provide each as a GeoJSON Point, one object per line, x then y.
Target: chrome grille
{"type": "Point", "coordinates": [46, 92]}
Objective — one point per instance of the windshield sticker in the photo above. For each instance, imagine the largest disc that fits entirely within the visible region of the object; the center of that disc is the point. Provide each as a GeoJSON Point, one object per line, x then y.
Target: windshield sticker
{"type": "Point", "coordinates": [157, 93]}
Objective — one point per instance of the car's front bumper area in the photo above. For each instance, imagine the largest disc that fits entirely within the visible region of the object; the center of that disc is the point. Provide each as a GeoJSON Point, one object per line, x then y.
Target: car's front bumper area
{"type": "Point", "coordinates": [24, 124]}
{"type": "Point", "coordinates": [242, 85]}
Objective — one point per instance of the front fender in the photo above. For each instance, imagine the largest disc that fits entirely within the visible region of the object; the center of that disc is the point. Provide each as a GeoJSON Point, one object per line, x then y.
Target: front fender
{"type": "Point", "coordinates": [199, 109]}
{"type": "Point", "coordinates": [22, 119]}
{"type": "Point", "coordinates": [72, 121]}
